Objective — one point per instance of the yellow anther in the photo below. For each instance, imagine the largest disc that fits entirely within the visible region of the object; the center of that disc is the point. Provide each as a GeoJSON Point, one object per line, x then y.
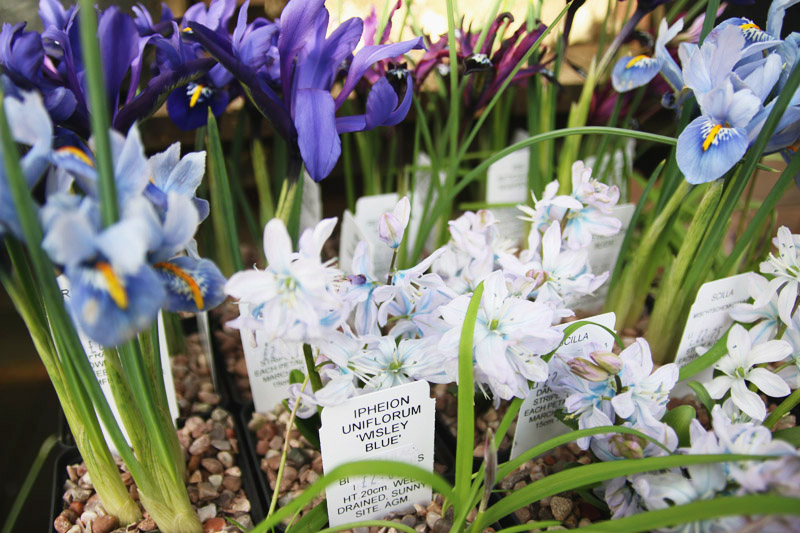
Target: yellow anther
{"type": "Point", "coordinates": [635, 60]}
{"type": "Point", "coordinates": [115, 287]}
{"type": "Point", "coordinates": [197, 294]}
{"type": "Point", "coordinates": [711, 136]}
{"type": "Point", "coordinates": [198, 90]}
{"type": "Point", "coordinates": [77, 152]}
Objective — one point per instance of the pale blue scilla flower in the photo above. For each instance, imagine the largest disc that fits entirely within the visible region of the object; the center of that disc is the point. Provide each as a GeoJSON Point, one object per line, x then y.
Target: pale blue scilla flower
{"type": "Point", "coordinates": [765, 317]}
{"type": "Point", "coordinates": [791, 373]}
{"type": "Point", "coordinates": [636, 394]}
{"type": "Point", "coordinates": [785, 269]}
{"type": "Point", "coordinates": [393, 363]}
{"type": "Point", "coordinates": [360, 291]}
{"type": "Point", "coordinates": [293, 298]}
{"type": "Point", "coordinates": [742, 364]}
{"type": "Point", "coordinates": [588, 401]}
{"type": "Point", "coordinates": [511, 335]}
{"type": "Point", "coordinates": [392, 224]}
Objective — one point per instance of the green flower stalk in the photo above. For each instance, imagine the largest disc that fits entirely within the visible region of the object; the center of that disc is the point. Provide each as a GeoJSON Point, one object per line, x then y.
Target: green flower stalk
{"type": "Point", "coordinates": [665, 322]}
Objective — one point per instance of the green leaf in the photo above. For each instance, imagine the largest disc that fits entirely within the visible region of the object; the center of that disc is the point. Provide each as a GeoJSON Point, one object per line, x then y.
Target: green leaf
{"type": "Point", "coordinates": [565, 418]}
{"type": "Point", "coordinates": [308, 427]}
{"type": "Point", "coordinates": [357, 468]}
{"type": "Point", "coordinates": [466, 394]}
{"type": "Point", "coordinates": [98, 112]}
{"type": "Point", "coordinates": [530, 526]}
{"type": "Point", "coordinates": [296, 376]}
{"type": "Point", "coordinates": [702, 395]}
{"type": "Point", "coordinates": [506, 468]}
{"type": "Point", "coordinates": [713, 355]}
{"type": "Point", "coordinates": [595, 472]}
{"type": "Point", "coordinates": [314, 520]}
{"type": "Point", "coordinates": [24, 491]}
{"type": "Point", "coordinates": [790, 435]}
{"type": "Point", "coordinates": [767, 207]}
{"type": "Point", "coordinates": [680, 419]}
{"type": "Point", "coordinates": [223, 218]}
{"type": "Point", "coordinates": [446, 200]}
{"type": "Point", "coordinates": [784, 407]}
{"type": "Point", "coordinates": [760, 504]}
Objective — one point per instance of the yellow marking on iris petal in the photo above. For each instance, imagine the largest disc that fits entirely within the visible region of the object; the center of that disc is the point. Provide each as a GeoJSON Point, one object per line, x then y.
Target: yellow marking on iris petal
{"type": "Point", "coordinates": [187, 29]}
{"type": "Point", "coordinates": [197, 294]}
{"type": "Point", "coordinates": [77, 152]}
{"type": "Point", "coordinates": [198, 90]}
{"type": "Point", "coordinates": [711, 136]}
{"type": "Point", "coordinates": [115, 287]}
{"type": "Point", "coordinates": [636, 60]}
{"type": "Point", "coordinates": [749, 26]}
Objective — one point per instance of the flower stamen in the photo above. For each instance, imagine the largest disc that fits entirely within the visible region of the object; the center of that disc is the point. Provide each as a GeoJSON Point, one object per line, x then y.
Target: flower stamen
{"type": "Point", "coordinates": [115, 287]}
{"type": "Point", "coordinates": [184, 276]}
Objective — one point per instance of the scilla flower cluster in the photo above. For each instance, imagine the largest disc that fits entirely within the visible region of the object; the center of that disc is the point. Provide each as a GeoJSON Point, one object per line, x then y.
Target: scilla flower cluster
{"type": "Point", "coordinates": [601, 388]}
{"type": "Point", "coordinates": [735, 77]}
{"type": "Point", "coordinates": [378, 333]}
{"type": "Point", "coordinates": [119, 276]}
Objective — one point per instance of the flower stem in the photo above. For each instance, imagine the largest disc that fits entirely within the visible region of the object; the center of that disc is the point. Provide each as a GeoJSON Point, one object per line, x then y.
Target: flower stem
{"type": "Point", "coordinates": [628, 300]}
{"type": "Point", "coordinates": [665, 324]}
{"type": "Point", "coordinates": [274, 502]}
{"type": "Point", "coordinates": [786, 405]}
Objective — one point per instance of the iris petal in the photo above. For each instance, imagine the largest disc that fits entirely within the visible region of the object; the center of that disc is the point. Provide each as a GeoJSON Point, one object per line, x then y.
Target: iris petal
{"type": "Point", "coordinates": [630, 73]}
{"type": "Point", "coordinates": [192, 285]}
{"type": "Point", "coordinates": [705, 152]}
{"type": "Point", "coordinates": [100, 316]}
{"type": "Point", "coordinates": [317, 137]}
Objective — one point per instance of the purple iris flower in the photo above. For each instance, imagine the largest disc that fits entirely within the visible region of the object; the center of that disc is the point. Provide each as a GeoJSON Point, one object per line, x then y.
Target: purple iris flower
{"type": "Point", "coordinates": [309, 64]}
{"type": "Point", "coordinates": [22, 56]}
{"type": "Point", "coordinates": [53, 64]}
{"type": "Point", "coordinates": [488, 70]}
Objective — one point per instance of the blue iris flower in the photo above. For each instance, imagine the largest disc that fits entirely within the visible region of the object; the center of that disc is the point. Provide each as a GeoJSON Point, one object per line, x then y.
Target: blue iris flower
{"type": "Point", "coordinates": [732, 75]}
{"type": "Point", "coordinates": [121, 275]}
{"type": "Point", "coordinates": [309, 63]}
{"type": "Point", "coordinates": [632, 72]}
{"type": "Point", "coordinates": [30, 125]}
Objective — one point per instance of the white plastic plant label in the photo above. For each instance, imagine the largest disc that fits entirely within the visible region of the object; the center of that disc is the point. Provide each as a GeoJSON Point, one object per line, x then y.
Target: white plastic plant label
{"type": "Point", "coordinates": [537, 420]}
{"type": "Point", "coordinates": [418, 203]}
{"type": "Point", "coordinates": [369, 210]}
{"type": "Point", "coordinates": [311, 205]}
{"type": "Point", "coordinates": [363, 226]}
{"type": "Point", "coordinates": [268, 366]}
{"type": "Point", "coordinates": [603, 257]}
{"type": "Point", "coordinates": [394, 424]}
{"type": "Point", "coordinates": [166, 369]}
{"type": "Point", "coordinates": [708, 320]}
{"type": "Point", "coordinates": [350, 235]}
{"type": "Point", "coordinates": [507, 182]}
